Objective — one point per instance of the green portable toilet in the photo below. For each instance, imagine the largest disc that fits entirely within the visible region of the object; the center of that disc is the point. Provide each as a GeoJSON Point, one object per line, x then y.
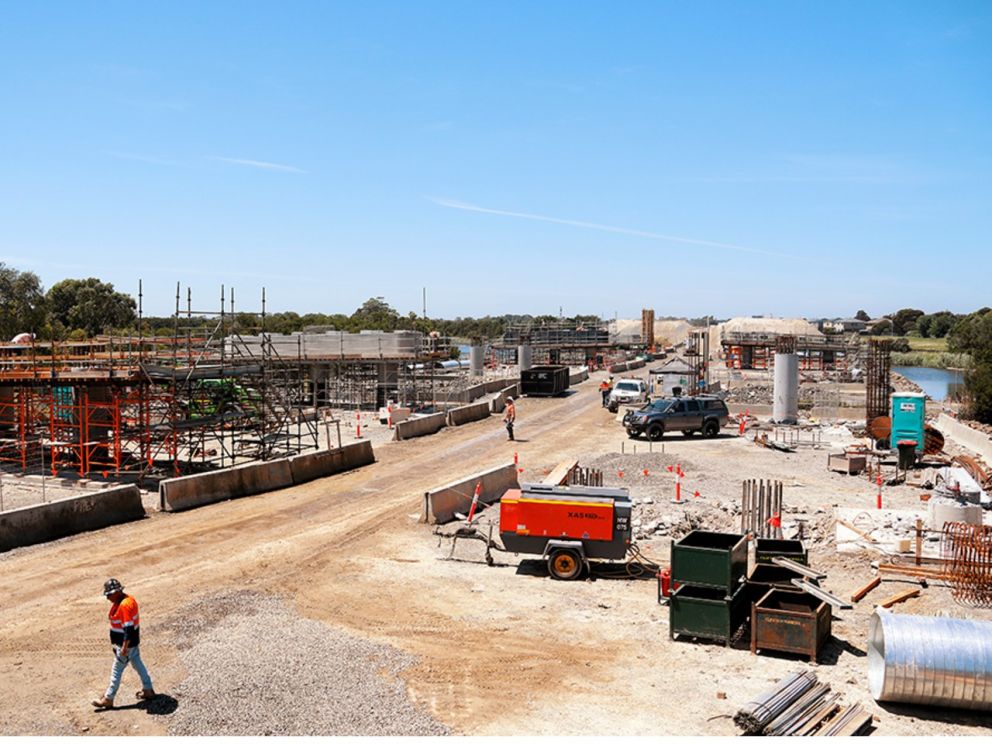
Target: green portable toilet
{"type": "Point", "coordinates": [908, 418]}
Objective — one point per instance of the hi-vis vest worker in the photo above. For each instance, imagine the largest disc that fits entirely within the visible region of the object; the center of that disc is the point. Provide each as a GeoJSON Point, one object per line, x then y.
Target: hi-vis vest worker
{"type": "Point", "coordinates": [124, 622]}
{"type": "Point", "coordinates": [125, 635]}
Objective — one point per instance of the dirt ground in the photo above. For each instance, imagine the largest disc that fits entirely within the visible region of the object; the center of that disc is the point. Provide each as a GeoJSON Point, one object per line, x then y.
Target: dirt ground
{"type": "Point", "coordinates": [499, 650]}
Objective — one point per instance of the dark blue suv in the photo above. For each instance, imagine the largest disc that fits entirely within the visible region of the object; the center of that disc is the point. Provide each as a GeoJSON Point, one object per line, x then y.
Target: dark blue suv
{"type": "Point", "coordinates": [703, 413]}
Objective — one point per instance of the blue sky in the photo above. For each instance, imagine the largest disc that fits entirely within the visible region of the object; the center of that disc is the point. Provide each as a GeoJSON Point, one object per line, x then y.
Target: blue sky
{"type": "Point", "coordinates": [793, 158]}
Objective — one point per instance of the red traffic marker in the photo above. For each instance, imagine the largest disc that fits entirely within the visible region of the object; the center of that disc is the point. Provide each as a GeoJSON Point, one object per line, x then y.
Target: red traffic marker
{"type": "Point", "coordinates": [696, 493]}
{"type": "Point", "coordinates": [646, 472]}
{"type": "Point", "coordinates": [516, 459]}
{"type": "Point", "coordinates": [620, 473]}
{"type": "Point", "coordinates": [775, 520]}
{"type": "Point", "coordinates": [878, 500]}
{"type": "Point", "coordinates": [475, 502]}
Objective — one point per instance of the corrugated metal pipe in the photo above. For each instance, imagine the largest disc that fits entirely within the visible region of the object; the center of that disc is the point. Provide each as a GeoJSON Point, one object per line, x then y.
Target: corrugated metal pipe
{"type": "Point", "coordinates": [930, 660]}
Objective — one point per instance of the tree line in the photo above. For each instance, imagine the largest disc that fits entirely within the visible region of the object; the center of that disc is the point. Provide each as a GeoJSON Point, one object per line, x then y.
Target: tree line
{"type": "Point", "coordinates": [77, 309]}
{"type": "Point", "coordinates": [913, 322]}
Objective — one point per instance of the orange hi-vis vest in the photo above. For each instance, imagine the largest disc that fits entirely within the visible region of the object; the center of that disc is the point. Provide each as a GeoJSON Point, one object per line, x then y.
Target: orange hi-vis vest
{"type": "Point", "coordinates": [124, 622]}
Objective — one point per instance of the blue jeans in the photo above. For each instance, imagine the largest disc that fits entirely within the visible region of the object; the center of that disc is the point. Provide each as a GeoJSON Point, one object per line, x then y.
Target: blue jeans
{"type": "Point", "coordinates": [133, 656]}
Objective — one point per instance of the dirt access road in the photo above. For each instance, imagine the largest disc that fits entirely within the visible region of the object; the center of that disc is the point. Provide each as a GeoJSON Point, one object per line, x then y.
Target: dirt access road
{"type": "Point", "coordinates": [500, 650]}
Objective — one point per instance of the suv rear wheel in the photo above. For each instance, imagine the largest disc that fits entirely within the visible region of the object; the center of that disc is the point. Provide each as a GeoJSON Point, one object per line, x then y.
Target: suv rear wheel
{"type": "Point", "coordinates": [711, 429]}
{"type": "Point", "coordinates": [655, 432]}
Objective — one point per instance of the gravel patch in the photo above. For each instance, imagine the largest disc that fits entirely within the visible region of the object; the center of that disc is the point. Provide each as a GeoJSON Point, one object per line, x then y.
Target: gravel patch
{"type": "Point", "coordinates": [257, 668]}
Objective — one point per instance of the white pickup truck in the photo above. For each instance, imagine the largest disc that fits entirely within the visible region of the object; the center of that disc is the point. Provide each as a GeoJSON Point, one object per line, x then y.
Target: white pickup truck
{"type": "Point", "coordinates": [627, 391]}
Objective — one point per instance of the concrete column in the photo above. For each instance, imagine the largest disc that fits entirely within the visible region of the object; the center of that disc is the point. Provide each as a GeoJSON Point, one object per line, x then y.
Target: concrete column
{"type": "Point", "coordinates": [524, 357]}
{"type": "Point", "coordinates": [475, 358]}
{"type": "Point", "coordinates": [785, 407]}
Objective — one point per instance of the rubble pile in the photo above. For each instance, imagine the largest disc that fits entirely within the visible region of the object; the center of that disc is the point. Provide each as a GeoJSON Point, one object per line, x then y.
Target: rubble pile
{"type": "Point", "coordinates": [810, 394]}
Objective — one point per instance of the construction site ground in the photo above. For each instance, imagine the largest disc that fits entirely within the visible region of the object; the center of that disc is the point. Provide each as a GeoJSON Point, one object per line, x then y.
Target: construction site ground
{"type": "Point", "coordinates": [267, 614]}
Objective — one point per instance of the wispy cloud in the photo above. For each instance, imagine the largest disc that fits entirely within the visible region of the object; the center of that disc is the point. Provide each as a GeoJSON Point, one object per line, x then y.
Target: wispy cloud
{"type": "Point", "coordinates": [451, 204]}
{"type": "Point", "coordinates": [264, 165]}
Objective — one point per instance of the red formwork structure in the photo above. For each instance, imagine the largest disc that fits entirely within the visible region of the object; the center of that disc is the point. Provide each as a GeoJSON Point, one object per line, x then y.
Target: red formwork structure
{"type": "Point", "coordinates": [140, 405]}
{"type": "Point", "coordinates": [816, 353]}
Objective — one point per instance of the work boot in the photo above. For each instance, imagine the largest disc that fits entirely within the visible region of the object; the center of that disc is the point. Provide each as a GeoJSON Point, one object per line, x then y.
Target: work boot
{"type": "Point", "coordinates": [103, 703]}
{"type": "Point", "coordinates": [145, 694]}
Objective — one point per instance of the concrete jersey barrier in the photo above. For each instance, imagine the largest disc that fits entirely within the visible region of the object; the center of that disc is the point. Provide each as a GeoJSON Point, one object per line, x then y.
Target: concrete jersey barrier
{"type": "Point", "coordinates": [420, 426]}
{"type": "Point", "coordinates": [498, 404]}
{"type": "Point", "coordinates": [91, 511]}
{"type": "Point", "coordinates": [581, 376]}
{"type": "Point", "coordinates": [469, 413]}
{"type": "Point", "coordinates": [313, 465]}
{"type": "Point", "coordinates": [977, 441]}
{"type": "Point", "coordinates": [191, 491]}
{"type": "Point", "coordinates": [441, 504]}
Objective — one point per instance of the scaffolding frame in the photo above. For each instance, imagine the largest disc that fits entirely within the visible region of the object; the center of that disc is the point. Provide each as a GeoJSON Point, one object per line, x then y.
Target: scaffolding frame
{"type": "Point", "coordinates": [199, 399]}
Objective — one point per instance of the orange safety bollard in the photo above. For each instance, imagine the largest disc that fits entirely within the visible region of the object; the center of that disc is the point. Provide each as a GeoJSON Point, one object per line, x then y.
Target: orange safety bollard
{"type": "Point", "coordinates": [475, 502]}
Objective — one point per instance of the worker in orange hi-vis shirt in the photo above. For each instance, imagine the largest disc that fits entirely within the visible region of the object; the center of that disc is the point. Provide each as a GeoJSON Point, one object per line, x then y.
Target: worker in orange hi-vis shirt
{"type": "Point", "coordinates": [124, 639]}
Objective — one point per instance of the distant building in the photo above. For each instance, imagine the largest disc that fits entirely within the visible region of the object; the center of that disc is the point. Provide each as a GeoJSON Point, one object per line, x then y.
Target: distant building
{"type": "Point", "coordinates": [674, 373]}
{"type": "Point", "coordinates": [845, 325]}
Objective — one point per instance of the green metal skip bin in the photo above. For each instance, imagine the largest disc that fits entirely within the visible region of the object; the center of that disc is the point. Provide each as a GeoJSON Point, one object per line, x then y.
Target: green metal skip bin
{"type": "Point", "coordinates": [767, 548]}
{"type": "Point", "coordinates": [717, 560]}
{"type": "Point", "coordinates": [705, 613]}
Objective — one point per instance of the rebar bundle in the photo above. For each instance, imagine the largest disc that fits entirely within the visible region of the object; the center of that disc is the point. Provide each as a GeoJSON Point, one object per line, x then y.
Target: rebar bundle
{"type": "Point", "coordinates": [768, 706]}
{"type": "Point", "coordinates": [967, 553]}
{"type": "Point", "coordinates": [797, 715]}
{"type": "Point", "coordinates": [801, 706]}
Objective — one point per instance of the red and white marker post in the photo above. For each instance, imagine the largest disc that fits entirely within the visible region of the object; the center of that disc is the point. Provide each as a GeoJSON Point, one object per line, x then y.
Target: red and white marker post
{"type": "Point", "coordinates": [475, 502]}
{"type": "Point", "coordinates": [678, 482]}
{"type": "Point", "coordinates": [389, 411]}
{"type": "Point", "coordinates": [878, 499]}
{"type": "Point", "coordinates": [358, 425]}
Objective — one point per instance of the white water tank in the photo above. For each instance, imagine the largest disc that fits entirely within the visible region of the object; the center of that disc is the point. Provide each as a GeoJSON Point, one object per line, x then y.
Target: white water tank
{"type": "Point", "coordinates": [785, 406]}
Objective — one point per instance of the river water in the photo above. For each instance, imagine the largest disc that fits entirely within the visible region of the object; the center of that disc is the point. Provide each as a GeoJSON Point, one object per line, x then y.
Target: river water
{"type": "Point", "coordinates": [937, 383]}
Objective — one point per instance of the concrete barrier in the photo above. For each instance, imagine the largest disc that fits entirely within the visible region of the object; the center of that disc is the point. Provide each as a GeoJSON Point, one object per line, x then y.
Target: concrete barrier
{"type": "Point", "coordinates": [91, 511]}
{"type": "Point", "coordinates": [466, 414]}
{"type": "Point", "coordinates": [191, 491]}
{"type": "Point", "coordinates": [308, 467]}
{"type": "Point", "coordinates": [495, 385]}
{"type": "Point", "coordinates": [441, 504]}
{"type": "Point", "coordinates": [419, 427]}
{"type": "Point", "coordinates": [498, 404]}
{"type": "Point", "coordinates": [977, 441]}
{"type": "Point", "coordinates": [581, 376]}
